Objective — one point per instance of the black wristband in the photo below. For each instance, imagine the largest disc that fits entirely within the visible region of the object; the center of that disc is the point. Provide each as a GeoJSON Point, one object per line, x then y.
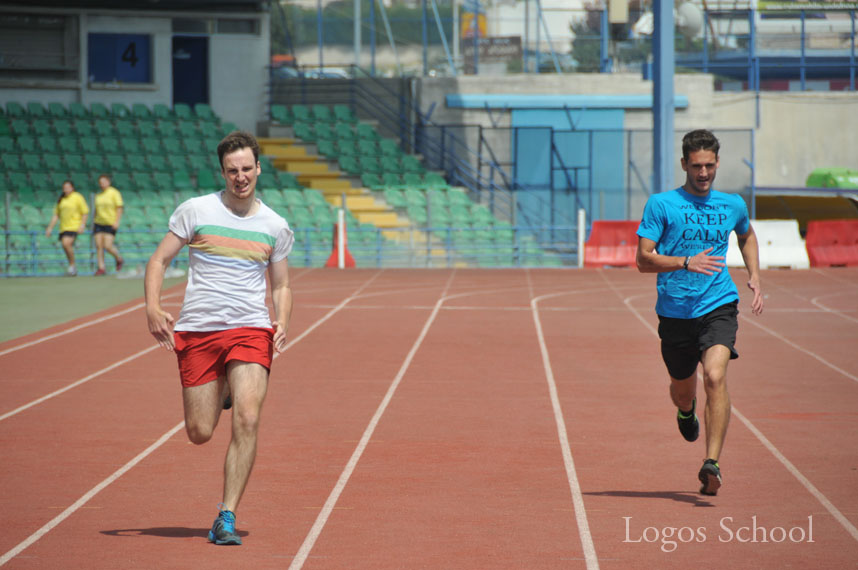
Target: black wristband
{"type": "Point", "coordinates": [685, 265]}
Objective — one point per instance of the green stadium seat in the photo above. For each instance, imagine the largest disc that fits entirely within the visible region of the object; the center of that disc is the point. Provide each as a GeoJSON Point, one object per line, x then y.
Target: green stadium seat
{"type": "Point", "coordinates": [36, 109]}
{"type": "Point", "coordinates": [204, 112]}
{"type": "Point", "coordinates": [137, 163]}
{"type": "Point", "coordinates": [282, 114]}
{"type": "Point", "coordinates": [183, 112]}
{"type": "Point", "coordinates": [158, 163]}
{"type": "Point", "coordinates": [349, 165]}
{"type": "Point", "coordinates": [99, 111]}
{"type": "Point", "coordinates": [323, 216]}
{"type": "Point", "coordinates": [122, 181]}
{"type": "Point", "coordinates": [7, 145]}
{"type": "Point", "coordinates": [164, 182]}
{"type": "Point", "coordinates": [211, 130]}
{"type": "Point", "coordinates": [83, 180]}
{"type": "Point", "coordinates": [314, 198]}
{"type": "Point", "coordinates": [10, 161]}
{"type": "Point", "coordinates": [56, 109]}
{"type": "Point", "coordinates": [344, 114]}
{"type": "Point", "coordinates": [32, 162]}
{"type": "Point", "coordinates": [304, 131]}
{"type": "Point", "coordinates": [173, 161]}
{"type": "Point", "coordinates": [412, 179]}
{"type": "Point", "coordinates": [346, 147]}
{"type": "Point", "coordinates": [130, 145]}
{"type": "Point", "coordinates": [268, 181]}
{"type": "Point", "coordinates": [53, 162]}
{"type": "Point", "coordinates": [287, 180]}
{"type": "Point", "coordinates": [58, 178]}
{"type": "Point", "coordinates": [369, 164]}
{"type": "Point", "coordinates": [147, 129]}
{"type": "Point", "coordinates": [94, 161]}
{"type": "Point", "coordinates": [142, 181]}
{"type": "Point", "coordinates": [167, 129]}
{"type": "Point", "coordinates": [327, 148]}
{"type": "Point", "coordinates": [293, 197]}
{"type": "Point", "coordinates": [141, 112]}
{"type": "Point", "coordinates": [434, 180]}
{"type": "Point", "coordinates": [195, 146]}
{"type": "Point", "coordinates": [302, 113]}
{"type": "Point", "coordinates": [89, 145]}
{"type": "Point", "coordinates": [20, 127]}
{"type": "Point", "coordinates": [82, 128]}
{"type": "Point", "coordinates": [77, 110]}
{"type": "Point", "coordinates": [390, 164]}
{"type": "Point", "coordinates": [366, 131]}
{"type": "Point", "coordinates": [47, 143]}
{"type": "Point", "coordinates": [40, 181]}
{"type": "Point", "coordinates": [391, 179]}
{"type": "Point", "coordinates": [63, 127]}
{"type": "Point", "coordinates": [27, 143]}
{"type": "Point", "coordinates": [206, 180]}
{"type": "Point", "coordinates": [389, 147]}
{"type": "Point", "coordinates": [344, 132]}
{"type": "Point", "coordinates": [69, 144]}
{"type": "Point", "coordinates": [172, 146]}
{"type": "Point", "coordinates": [41, 127]}
{"type": "Point", "coordinates": [371, 181]}
{"type": "Point", "coordinates": [15, 109]}
{"type": "Point", "coordinates": [162, 112]}
{"type": "Point", "coordinates": [412, 164]}
{"type": "Point", "coordinates": [322, 113]}
{"type": "Point", "coordinates": [152, 146]}
{"type": "Point", "coordinates": [125, 129]}
{"type": "Point", "coordinates": [367, 147]}
{"type": "Point", "coordinates": [188, 130]}
{"type": "Point", "coordinates": [181, 179]}
{"type": "Point", "coordinates": [395, 198]}
{"type": "Point", "coordinates": [116, 162]}
{"type": "Point", "coordinates": [120, 111]}
{"type": "Point", "coordinates": [324, 132]}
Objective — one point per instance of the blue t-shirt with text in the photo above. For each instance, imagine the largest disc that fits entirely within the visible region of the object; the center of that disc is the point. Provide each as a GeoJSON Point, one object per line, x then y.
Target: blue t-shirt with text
{"type": "Point", "coordinates": [682, 224]}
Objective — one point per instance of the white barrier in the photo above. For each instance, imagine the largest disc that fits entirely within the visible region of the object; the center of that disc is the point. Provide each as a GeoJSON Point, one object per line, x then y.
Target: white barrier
{"type": "Point", "coordinates": [780, 242]}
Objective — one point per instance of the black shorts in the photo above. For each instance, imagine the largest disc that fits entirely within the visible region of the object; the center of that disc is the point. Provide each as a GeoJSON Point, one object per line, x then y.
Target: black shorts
{"type": "Point", "coordinates": [100, 229]}
{"type": "Point", "coordinates": [684, 340]}
{"type": "Point", "coordinates": [67, 234]}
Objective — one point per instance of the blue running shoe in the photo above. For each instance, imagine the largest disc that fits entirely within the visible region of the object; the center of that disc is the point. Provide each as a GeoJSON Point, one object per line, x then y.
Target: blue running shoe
{"type": "Point", "coordinates": [223, 529]}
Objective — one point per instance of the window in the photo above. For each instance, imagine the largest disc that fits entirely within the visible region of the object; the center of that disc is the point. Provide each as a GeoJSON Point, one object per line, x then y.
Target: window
{"type": "Point", "coordinates": [119, 57]}
{"type": "Point", "coordinates": [238, 26]}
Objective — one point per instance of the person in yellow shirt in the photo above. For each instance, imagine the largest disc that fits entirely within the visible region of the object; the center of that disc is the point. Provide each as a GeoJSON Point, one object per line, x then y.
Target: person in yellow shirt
{"type": "Point", "coordinates": [108, 213]}
{"type": "Point", "coordinates": [71, 211]}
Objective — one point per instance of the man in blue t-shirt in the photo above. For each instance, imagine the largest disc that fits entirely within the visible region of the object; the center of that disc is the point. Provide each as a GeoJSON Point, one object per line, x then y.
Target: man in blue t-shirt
{"type": "Point", "coordinates": [683, 237]}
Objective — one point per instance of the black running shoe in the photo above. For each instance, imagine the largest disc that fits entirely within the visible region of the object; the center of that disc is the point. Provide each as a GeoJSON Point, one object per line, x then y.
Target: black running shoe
{"type": "Point", "coordinates": [710, 477]}
{"type": "Point", "coordinates": [223, 530]}
{"type": "Point", "coordinates": [689, 426]}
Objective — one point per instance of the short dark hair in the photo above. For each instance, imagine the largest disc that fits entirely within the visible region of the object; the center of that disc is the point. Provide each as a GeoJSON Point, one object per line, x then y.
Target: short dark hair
{"type": "Point", "coordinates": [701, 139]}
{"type": "Point", "coordinates": [237, 140]}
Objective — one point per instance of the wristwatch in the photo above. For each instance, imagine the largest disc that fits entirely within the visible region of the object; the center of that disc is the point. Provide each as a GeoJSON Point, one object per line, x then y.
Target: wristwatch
{"type": "Point", "coordinates": [685, 265]}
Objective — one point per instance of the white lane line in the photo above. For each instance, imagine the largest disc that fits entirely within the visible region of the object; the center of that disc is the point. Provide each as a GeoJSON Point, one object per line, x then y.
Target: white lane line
{"type": "Point", "coordinates": [125, 468]}
{"type": "Point", "coordinates": [800, 348]}
{"type": "Point", "coordinates": [136, 355]}
{"type": "Point", "coordinates": [330, 503]}
{"type": "Point", "coordinates": [792, 469]}
{"type": "Point", "coordinates": [77, 383]}
{"type": "Point", "coordinates": [584, 535]}
{"type": "Point", "coordinates": [89, 495]}
{"type": "Point", "coordinates": [93, 322]}
{"type": "Point", "coordinates": [816, 301]}
{"type": "Point", "coordinates": [829, 506]}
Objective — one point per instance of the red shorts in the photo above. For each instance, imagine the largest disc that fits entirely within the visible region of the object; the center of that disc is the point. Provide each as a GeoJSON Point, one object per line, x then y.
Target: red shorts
{"type": "Point", "coordinates": [203, 355]}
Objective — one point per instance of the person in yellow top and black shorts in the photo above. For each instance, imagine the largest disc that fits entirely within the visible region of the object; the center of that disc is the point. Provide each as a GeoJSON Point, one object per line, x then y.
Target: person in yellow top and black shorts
{"type": "Point", "coordinates": [71, 211]}
{"type": "Point", "coordinates": [108, 213]}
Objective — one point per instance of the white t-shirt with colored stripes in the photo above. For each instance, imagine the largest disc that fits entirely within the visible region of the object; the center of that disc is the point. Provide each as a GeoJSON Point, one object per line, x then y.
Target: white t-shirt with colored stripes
{"type": "Point", "coordinates": [229, 256]}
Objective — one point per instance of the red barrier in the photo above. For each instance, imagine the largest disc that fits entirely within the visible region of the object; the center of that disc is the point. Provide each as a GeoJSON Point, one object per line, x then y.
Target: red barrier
{"type": "Point", "coordinates": [832, 242]}
{"type": "Point", "coordinates": [612, 243]}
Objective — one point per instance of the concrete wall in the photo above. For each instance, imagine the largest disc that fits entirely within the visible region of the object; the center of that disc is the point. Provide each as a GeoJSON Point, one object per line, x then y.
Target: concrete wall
{"type": "Point", "coordinates": [797, 131]}
{"type": "Point", "coordinates": [238, 67]}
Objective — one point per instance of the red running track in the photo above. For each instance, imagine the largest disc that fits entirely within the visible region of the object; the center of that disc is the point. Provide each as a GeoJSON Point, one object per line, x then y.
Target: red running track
{"type": "Point", "coordinates": [445, 419]}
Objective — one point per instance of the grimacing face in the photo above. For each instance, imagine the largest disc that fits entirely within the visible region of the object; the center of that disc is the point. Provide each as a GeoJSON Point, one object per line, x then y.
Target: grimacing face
{"type": "Point", "coordinates": [700, 169]}
{"type": "Point", "coordinates": [240, 171]}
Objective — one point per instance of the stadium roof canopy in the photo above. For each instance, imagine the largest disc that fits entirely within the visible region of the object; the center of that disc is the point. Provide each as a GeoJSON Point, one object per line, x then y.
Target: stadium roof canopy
{"type": "Point", "coordinates": [159, 5]}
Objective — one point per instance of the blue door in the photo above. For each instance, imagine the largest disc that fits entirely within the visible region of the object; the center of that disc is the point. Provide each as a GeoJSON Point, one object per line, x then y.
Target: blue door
{"type": "Point", "coordinates": [190, 69]}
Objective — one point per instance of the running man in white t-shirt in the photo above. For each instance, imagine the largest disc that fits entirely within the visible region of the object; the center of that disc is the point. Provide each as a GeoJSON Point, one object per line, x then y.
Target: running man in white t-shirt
{"type": "Point", "coordinates": [224, 337]}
